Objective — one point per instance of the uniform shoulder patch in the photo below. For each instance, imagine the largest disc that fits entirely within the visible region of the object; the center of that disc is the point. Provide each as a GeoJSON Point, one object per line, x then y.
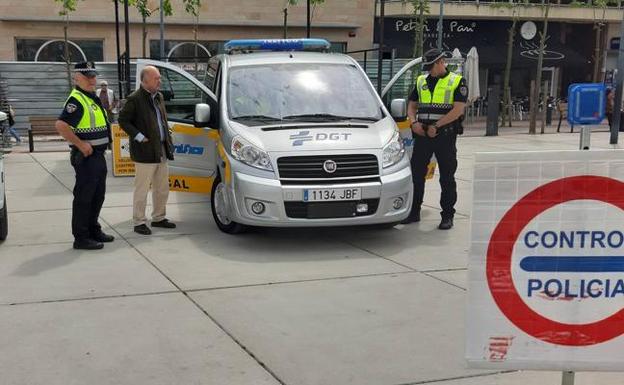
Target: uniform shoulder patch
{"type": "Point", "coordinates": [71, 108]}
{"type": "Point", "coordinates": [463, 90]}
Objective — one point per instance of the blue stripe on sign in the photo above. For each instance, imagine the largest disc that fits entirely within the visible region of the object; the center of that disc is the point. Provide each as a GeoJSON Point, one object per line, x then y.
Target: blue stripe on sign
{"type": "Point", "coordinates": [600, 264]}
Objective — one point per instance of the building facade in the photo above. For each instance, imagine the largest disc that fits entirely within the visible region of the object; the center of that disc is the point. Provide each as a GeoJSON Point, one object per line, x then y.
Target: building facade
{"type": "Point", "coordinates": [572, 44]}
{"type": "Point", "coordinates": [33, 30]}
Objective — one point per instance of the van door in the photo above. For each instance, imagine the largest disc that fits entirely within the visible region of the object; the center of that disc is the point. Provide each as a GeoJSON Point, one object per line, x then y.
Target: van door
{"type": "Point", "coordinates": [195, 152]}
{"type": "Point", "coordinates": [400, 87]}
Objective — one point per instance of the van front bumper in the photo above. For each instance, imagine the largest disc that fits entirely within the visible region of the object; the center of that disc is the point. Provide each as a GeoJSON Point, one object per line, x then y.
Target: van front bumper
{"type": "Point", "coordinates": [284, 205]}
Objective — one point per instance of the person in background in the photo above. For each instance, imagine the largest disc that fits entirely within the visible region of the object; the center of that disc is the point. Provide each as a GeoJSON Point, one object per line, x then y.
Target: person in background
{"type": "Point", "coordinates": [12, 131]}
{"type": "Point", "coordinates": [107, 96]}
{"type": "Point", "coordinates": [144, 119]}
{"type": "Point", "coordinates": [610, 104]}
{"type": "Point", "coordinates": [436, 109]}
{"type": "Point", "coordinates": [84, 125]}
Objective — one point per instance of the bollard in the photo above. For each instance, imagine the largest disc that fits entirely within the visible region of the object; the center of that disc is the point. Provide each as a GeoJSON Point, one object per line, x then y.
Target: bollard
{"type": "Point", "coordinates": [568, 378]}
{"type": "Point", "coordinates": [491, 128]}
{"type": "Point", "coordinates": [585, 137]}
{"type": "Point", "coordinates": [549, 111]}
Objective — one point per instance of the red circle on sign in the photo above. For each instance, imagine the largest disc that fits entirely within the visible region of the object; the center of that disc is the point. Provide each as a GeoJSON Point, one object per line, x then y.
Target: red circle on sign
{"type": "Point", "coordinates": [500, 250]}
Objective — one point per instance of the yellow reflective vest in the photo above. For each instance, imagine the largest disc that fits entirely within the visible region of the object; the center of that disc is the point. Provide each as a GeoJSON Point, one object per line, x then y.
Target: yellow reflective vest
{"type": "Point", "coordinates": [92, 127]}
{"type": "Point", "coordinates": [433, 106]}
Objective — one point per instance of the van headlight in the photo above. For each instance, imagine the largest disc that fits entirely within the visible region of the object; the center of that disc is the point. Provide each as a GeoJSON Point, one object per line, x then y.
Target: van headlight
{"type": "Point", "coordinates": [249, 154]}
{"type": "Point", "coordinates": [393, 152]}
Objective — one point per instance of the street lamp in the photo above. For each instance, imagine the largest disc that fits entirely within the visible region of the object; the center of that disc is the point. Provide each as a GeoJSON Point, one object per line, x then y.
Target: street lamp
{"type": "Point", "coordinates": [440, 19]}
{"type": "Point", "coordinates": [308, 24]}
{"type": "Point", "coordinates": [162, 31]}
{"type": "Point", "coordinates": [121, 91]}
{"type": "Point", "coordinates": [382, 15]}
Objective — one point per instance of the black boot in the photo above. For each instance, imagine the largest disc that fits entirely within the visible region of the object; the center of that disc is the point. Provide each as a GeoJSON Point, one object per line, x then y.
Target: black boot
{"type": "Point", "coordinates": [102, 237]}
{"type": "Point", "coordinates": [87, 244]}
{"type": "Point", "coordinates": [413, 217]}
{"type": "Point", "coordinates": [446, 224]}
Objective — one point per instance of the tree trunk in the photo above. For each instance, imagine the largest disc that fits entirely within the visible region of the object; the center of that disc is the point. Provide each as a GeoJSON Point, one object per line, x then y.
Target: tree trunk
{"type": "Point", "coordinates": [538, 80]}
{"type": "Point", "coordinates": [285, 22]}
{"type": "Point", "coordinates": [144, 35]}
{"type": "Point", "coordinates": [506, 90]}
{"type": "Point", "coordinates": [421, 27]}
{"type": "Point", "coordinates": [67, 57]}
{"type": "Point", "coordinates": [598, 29]}
{"type": "Point", "coordinates": [545, 108]}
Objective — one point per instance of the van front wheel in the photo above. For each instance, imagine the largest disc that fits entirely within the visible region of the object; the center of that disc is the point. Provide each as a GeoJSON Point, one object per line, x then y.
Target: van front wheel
{"type": "Point", "coordinates": [221, 209]}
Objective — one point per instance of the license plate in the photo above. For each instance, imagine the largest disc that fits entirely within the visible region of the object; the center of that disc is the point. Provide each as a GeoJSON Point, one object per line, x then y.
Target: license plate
{"type": "Point", "coordinates": [332, 194]}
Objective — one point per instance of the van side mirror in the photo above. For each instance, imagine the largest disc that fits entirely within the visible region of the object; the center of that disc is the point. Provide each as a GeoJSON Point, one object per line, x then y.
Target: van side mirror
{"type": "Point", "coordinates": [398, 109]}
{"type": "Point", "coordinates": [202, 115]}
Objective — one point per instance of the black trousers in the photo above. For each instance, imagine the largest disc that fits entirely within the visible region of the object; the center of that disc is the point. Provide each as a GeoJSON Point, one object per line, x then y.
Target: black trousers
{"type": "Point", "coordinates": [89, 192]}
{"type": "Point", "coordinates": [443, 146]}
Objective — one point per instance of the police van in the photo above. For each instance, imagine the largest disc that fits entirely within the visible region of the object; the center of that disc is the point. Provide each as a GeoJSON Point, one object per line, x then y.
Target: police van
{"type": "Point", "coordinates": [4, 222]}
{"type": "Point", "coordinates": [282, 133]}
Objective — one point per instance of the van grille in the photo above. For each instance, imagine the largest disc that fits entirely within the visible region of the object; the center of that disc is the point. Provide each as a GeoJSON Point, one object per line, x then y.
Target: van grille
{"type": "Point", "coordinates": [318, 210]}
{"type": "Point", "coordinates": [311, 167]}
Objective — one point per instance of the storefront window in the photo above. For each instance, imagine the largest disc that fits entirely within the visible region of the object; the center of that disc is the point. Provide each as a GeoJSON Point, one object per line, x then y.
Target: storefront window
{"type": "Point", "coordinates": [54, 50]}
{"type": "Point", "coordinates": [184, 50]}
{"type": "Point", "coordinates": [338, 47]}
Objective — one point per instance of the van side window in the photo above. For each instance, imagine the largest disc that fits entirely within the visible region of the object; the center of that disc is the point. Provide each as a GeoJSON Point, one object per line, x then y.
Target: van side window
{"type": "Point", "coordinates": [181, 96]}
{"type": "Point", "coordinates": [211, 75]}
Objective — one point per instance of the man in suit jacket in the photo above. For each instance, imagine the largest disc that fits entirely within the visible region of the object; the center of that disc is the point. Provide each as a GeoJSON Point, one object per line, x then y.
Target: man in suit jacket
{"type": "Point", "coordinates": [144, 119]}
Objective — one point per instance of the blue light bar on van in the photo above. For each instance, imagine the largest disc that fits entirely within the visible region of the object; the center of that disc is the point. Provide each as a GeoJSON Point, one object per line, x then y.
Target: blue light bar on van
{"type": "Point", "coordinates": [250, 45]}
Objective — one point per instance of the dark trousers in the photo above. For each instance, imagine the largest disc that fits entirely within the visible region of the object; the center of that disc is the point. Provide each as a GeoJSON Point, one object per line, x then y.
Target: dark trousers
{"type": "Point", "coordinates": [88, 193]}
{"type": "Point", "coordinates": [443, 146]}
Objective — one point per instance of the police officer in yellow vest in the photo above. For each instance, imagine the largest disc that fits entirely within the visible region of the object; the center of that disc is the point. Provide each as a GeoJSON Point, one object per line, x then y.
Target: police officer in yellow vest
{"type": "Point", "coordinates": [84, 124]}
{"type": "Point", "coordinates": [436, 108]}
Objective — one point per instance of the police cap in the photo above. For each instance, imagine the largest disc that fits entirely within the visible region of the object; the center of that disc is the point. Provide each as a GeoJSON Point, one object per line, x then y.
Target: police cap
{"type": "Point", "coordinates": [432, 56]}
{"type": "Point", "coordinates": [87, 68]}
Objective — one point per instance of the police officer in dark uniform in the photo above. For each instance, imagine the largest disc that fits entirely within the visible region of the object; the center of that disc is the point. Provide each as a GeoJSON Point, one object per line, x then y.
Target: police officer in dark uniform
{"type": "Point", "coordinates": [436, 108]}
{"type": "Point", "coordinates": [84, 124]}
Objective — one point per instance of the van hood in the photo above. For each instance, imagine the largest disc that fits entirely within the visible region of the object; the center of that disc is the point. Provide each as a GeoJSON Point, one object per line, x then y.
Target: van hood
{"type": "Point", "coordinates": [333, 136]}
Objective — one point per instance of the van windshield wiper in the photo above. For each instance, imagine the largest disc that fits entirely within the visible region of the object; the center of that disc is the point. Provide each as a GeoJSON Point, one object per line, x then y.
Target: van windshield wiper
{"type": "Point", "coordinates": [328, 117]}
{"type": "Point", "coordinates": [261, 118]}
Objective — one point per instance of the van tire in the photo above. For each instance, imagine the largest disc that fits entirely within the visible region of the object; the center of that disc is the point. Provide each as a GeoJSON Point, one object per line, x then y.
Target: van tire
{"type": "Point", "coordinates": [230, 227]}
{"type": "Point", "coordinates": [4, 222]}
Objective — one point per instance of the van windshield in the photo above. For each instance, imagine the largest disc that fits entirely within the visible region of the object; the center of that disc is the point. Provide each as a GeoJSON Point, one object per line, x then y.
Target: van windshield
{"type": "Point", "coordinates": [271, 94]}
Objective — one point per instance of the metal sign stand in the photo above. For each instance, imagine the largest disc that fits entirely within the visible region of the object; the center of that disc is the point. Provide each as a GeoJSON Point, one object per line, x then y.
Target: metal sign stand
{"type": "Point", "coordinates": [585, 137]}
{"type": "Point", "coordinates": [568, 378]}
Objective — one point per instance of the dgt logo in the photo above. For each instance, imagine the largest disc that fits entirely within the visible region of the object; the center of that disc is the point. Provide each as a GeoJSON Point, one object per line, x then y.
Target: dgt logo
{"type": "Point", "coordinates": [305, 136]}
{"type": "Point", "coordinates": [188, 149]}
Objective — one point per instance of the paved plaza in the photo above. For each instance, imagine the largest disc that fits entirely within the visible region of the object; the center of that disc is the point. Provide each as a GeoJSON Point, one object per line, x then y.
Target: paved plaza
{"type": "Point", "coordinates": [194, 306]}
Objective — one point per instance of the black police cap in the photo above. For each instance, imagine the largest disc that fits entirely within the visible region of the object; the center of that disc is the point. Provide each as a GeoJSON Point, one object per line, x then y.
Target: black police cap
{"type": "Point", "coordinates": [86, 68]}
{"type": "Point", "coordinates": [432, 56]}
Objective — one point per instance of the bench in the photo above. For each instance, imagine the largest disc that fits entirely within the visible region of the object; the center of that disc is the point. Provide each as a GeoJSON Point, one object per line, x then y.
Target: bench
{"type": "Point", "coordinates": [41, 125]}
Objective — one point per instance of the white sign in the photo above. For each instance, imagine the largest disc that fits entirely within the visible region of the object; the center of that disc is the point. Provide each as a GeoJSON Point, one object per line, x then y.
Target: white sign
{"type": "Point", "coordinates": [546, 266]}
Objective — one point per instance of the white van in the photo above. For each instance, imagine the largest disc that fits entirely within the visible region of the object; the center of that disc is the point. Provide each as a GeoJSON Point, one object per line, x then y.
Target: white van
{"type": "Point", "coordinates": [4, 221]}
{"type": "Point", "coordinates": [285, 134]}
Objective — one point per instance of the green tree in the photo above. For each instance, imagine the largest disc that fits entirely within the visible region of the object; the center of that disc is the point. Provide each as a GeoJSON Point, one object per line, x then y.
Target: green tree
{"type": "Point", "coordinates": [538, 77]}
{"type": "Point", "coordinates": [511, 34]}
{"type": "Point", "coordinates": [289, 3]}
{"type": "Point", "coordinates": [420, 10]}
{"type": "Point", "coordinates": [67, 7]}
{"type": "Point", "coordinates": [145, 11]}
{"type": "Point", "coordinates": [193, 7]}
